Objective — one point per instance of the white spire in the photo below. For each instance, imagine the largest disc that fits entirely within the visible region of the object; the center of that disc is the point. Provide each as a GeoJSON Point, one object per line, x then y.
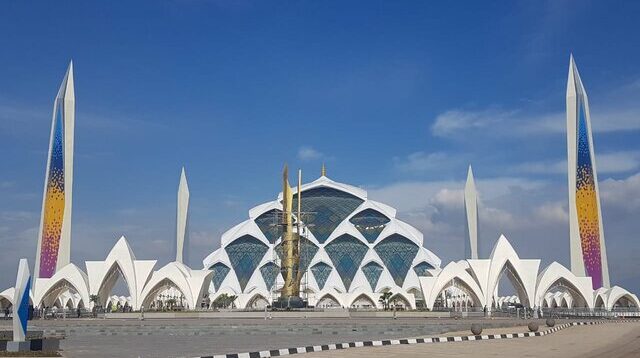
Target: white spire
{"type": "Point", "coordinates": [471, 214]}
{"type": "Point", "coordinates": [183, 209]}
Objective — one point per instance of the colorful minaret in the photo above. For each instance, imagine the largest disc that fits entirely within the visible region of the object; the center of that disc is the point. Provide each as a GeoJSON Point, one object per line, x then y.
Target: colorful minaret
{"type": "Point", "coordinates": [54, 237]}
{"type": "Point", "coordinates": [588, 251]}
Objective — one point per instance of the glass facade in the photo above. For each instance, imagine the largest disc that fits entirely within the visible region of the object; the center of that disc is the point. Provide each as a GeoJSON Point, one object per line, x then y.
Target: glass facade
{"type": "Point", "coordinates": [269, 273]}
{"type": "Point", "coordinates": [346, 252]}
{"type": "Point", "coordinates": [245, 253]}
{"type": "Point", "coordinates": [220, 271]}
{"type": "Point", "coordinates": [422, 268]}
{"type": "Point", "coordinates": [307, 252]}
{"type": "Point", "coordinates": [328, 208]}
{"type": "Point", "coordinates": [372, 272]}
{"type": "Point", "coordinates": [370, 223]}
{"type": "Point", "coordinates": [397, 253]}
{"type": "Point", "coordinates": [269, 224]}
{"type": "Point", "coordinates": [321, 273]}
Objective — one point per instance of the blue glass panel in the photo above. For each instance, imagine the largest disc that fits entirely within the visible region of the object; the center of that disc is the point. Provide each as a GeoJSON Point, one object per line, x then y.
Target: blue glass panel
{"type": "Point", "coordinates": [328, 208]}
{"type": "Point", "coordinates": [307, 252]}
{"type": "Point", "coordinates": [421, 269]}
{"type": "Point", "coordinates": [220, 271]}
{"type": "Point", "coordinates": [397, 253]}
{"type": "Point", "coordinates": [346, 252]}
{"type": "Point", "coordinates": [269, 224]}
{"type": "Point", "coordinates": [269, 273]}
{"type": "Point", "coordinates": [370, 223]}
{"type": "Point", "coordinates": [245, 254]}
{"type": "Point", "coordinates": [372, 272]}
{"type": "Point", "coordinates": [321, 273]}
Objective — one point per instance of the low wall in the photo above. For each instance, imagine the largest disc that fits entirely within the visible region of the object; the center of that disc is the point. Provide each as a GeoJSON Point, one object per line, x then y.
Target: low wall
{"type": "Point", "coordinates": [337, 313]}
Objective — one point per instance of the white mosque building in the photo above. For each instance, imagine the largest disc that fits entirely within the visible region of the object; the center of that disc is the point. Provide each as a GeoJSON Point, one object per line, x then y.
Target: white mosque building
{"type": "Point", "coordinates": [353, 249]}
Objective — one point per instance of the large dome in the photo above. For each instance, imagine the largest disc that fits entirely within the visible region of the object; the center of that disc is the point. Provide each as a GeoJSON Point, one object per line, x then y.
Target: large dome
{"type": "Point", "coordinates": [353, 249]}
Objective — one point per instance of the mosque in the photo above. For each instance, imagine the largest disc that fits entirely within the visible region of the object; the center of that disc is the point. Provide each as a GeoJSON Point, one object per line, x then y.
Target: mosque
{"type": "Point", "coordinates": [339, 249]}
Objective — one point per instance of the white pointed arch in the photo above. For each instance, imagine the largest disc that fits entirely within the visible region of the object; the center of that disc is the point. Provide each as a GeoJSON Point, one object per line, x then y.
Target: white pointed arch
{"type": "Point", "coordinates": [557, 276]}
{"type": "Point", "coordinates": [617, 293]}
{"type": "Point", "coordinates": [70, 277]}
{"type": "Point", "coordinates": [521, 272]}
{"type": "Point", "coordinates": [120, 262]}
{"type": "Point", "coordinates": [453, 273]}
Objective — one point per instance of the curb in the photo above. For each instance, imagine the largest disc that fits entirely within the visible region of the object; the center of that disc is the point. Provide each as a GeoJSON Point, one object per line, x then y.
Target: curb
{"type": "Point", "coordinates": [392, 342]}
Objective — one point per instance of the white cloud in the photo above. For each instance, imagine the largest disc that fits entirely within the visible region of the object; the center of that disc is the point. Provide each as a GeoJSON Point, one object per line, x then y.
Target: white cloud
{"type": "Point", "coordinates": [623, 193]}
{"type": "Point", "coordinates": [309, 153]}
{"type": "Point", "coordinates": [453, 121]}
{"type": "Point", "coordinates": [613, 162]}
{"type": "Point", "coordinates": [552, 212]}
{"type": "Point", "coordinates": [421, 162]}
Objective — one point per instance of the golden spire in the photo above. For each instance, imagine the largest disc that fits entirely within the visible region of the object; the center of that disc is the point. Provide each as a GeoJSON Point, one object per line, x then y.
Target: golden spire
{"type": "Point", "coordinates": [323, 171]}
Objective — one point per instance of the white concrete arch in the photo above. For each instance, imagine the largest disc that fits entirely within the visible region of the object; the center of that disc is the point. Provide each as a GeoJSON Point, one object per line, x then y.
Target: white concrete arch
{"type": "Point", "coordinates": [328, 300]}
{"type": "Point", "coordinates": [453, 273]}
{"type": "Point", "coordinates": [70, 277]}
{"type": "Point", "coordinates": [521, 272]}
{"type": "Point", "coordinates": [616, 294]}
{"type": "Point", "coordinates": [258, 301]}
{"type": "Point", "coordinates": [555, 276]}
{"type": "Point", "coordinates": [120, 261]}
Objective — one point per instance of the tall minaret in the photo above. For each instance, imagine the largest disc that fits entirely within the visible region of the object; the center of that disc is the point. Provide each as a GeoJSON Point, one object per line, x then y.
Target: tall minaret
{"type": "Point", "coordinates": [183, 212]}
{"type": "Point", "coordinates": [586, 235]}
{"type": "Point", "coordinates": [471, 214]}
{"type": "Point", "coordinates": [54, 236]}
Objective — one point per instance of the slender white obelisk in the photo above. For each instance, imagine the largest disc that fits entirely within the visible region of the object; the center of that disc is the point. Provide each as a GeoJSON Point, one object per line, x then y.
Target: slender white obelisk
{"type": "Point", "coordinates": [183, 212]}
{"type": "Point", "coordinates": [54, 237]}
{"type": "Point", "coordinates": [471, 214]}
{"type": "Point", "coordinates": [21, 309]}
{"type": "Point", "coordinates": [588, 251]}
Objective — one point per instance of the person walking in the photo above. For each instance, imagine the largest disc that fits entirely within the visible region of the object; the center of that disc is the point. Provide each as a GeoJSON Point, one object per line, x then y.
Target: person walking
{"type": "Point", "coordinates": [6, 313]}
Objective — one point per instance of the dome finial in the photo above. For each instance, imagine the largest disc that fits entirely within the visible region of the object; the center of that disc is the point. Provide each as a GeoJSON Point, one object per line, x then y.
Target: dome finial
{"type": "Point", "coordinates": [323, 171]}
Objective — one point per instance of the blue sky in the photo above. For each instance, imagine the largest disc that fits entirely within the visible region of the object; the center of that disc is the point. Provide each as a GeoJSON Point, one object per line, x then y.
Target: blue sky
{"type": "Point", "coordinates": [398, 98]}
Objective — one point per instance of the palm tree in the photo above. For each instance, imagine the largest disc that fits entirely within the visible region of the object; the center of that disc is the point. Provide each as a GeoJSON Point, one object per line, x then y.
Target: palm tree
{"type": "Point", "coordinates": [384, 299]}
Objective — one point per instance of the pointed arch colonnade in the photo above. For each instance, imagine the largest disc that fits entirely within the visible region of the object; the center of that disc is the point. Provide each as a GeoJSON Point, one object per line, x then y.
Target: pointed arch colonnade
{"type": "Point", "coordinates": [555, 286]}
{"type": "Point", "coordinates": [475, 279]}
{"type": "Point", "coordinates": [72, 288]}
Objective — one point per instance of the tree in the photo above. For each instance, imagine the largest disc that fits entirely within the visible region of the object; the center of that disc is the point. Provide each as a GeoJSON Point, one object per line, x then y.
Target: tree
{"type": "Point", "coordinates": [95, 299]}
{"type": "Point", "coordinates": [224, 301]}
{"type": "Point", "coordinates": [384, 299]}
{"type": "Point", "coordinates": [171, 302]}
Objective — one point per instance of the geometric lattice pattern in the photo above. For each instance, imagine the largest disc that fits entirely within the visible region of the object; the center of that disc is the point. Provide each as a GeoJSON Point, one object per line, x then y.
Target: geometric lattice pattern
{"type": "Point", "coordinates": [245, 253]}
{"type": "Point", "coordinates": [370, 223]}
{"type": "Point", "coordinates": [587, 201]}
{"type": "Point", "coordinates": [397, 252]}
{"type": "Point", "coordinates": [270, 224]}
{"type": "Point", "coordinates": [372, 272]}
{"type": "Point", "coordinates": [321, 273]}
{"type": "Point", "coordinates": [220, 271]}
{"type": "Point", "coordinates": [422, 269]}
{"type": "Point", "coordinates": [53, 200]}
{"type": "Point", "coordinates": [328, 208]}
{"type": "Point", "coordinates": [346, 252]}
{"type": "Point", "coordinates": [307, 251]}
{"type": "Point", "coordinates": [269, 273]}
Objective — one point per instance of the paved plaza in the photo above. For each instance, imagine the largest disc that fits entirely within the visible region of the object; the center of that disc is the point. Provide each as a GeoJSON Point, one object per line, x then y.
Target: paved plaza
{"type": "Point", "coordinates": [196, 337]}
{"type": "Point", "coordinates": [607, 340]}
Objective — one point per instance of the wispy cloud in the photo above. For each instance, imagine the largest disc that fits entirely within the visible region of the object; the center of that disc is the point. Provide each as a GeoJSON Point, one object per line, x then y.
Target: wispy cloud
{"type": "Point", "coordinates": [614, 162]}
{"type": "Point", "coordinates": [306, 153]}
{"type": "Point", "coordinates": [421, 162]}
